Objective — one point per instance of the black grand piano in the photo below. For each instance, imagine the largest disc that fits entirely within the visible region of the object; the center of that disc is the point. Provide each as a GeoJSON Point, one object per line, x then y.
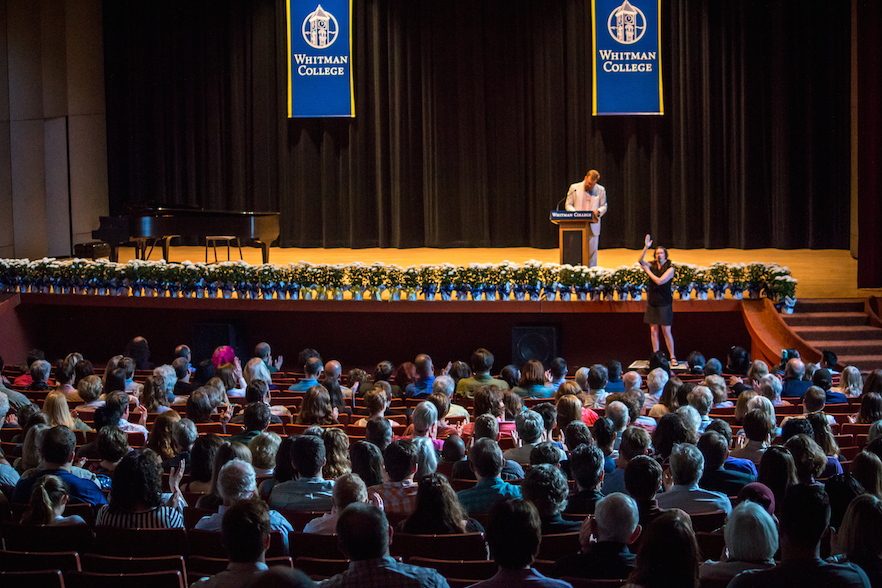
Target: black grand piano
{"type": "Point", "coordinates": [145, 226]}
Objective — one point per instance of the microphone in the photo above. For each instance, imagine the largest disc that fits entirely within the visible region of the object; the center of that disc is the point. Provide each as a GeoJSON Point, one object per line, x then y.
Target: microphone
{"type": "Point", "coordinates": [557, 207]}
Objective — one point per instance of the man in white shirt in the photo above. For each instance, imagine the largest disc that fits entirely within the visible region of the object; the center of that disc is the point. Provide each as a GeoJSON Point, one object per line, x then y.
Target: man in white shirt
{"type": "Point", "coordinates": [589, 195]}
{"type": "Point", "coordinates": [655, 384]}
{"type": "Point", "coordinates": [348, 488]}
{"type": "Point", "coordinates": [118, 403]}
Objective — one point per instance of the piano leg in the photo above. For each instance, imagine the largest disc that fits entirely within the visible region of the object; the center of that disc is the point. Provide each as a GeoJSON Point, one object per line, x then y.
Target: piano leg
{"type": "Point", "coordinates": [114, 253]}
{"type": "Point", "coordinates": [264, 248]}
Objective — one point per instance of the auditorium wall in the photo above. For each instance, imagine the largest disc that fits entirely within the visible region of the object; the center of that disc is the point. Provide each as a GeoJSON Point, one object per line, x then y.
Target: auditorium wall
{"type": "Point", "coordinates": [53, 145]}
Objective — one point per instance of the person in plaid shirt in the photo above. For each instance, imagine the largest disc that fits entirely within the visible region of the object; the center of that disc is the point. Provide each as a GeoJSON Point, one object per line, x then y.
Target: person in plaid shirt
{"type": "Point", "coordinates": [365, 534]}
{"type": "Point", "coordinates": [399, 493]}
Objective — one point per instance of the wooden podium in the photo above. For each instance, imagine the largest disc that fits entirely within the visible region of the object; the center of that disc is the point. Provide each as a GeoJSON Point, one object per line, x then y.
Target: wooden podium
{"type": "Point", "coordinates": [574, 233]}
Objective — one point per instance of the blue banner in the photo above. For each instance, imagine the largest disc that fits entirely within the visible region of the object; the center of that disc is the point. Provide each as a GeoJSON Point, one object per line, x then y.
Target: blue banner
{"type": "Point", "coordinates": [627, 57]}
{"type": "Point", "coordinates": [320, 58]}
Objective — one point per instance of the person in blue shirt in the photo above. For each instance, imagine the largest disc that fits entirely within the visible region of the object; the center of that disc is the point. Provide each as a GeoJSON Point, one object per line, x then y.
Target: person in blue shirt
{"type": "Point", "coordinates": [486, 461]}
{"type": "Point", "coordinates": [532, 382]}
{"type": "Point", "coordinates": [313, 368]}
{"type": "Point", "coordinates": [422, 387]}
{"type": "Point", "coordinates": [59, 446]}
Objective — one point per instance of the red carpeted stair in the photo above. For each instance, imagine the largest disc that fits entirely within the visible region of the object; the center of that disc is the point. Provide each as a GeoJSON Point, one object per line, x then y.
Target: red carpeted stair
{"type": "Point", "coordinates": [842, 326]}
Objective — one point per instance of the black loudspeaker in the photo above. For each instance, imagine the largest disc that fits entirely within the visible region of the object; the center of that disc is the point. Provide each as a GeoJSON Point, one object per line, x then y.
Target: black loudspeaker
{"type": "Point", "coordinates": [206, 337]}
{"type": "Point", "coordinates": [537, 342]}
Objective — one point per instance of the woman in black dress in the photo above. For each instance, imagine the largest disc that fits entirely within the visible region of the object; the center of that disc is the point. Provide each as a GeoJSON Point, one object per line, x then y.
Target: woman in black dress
{"type": "Point", "coordinates": [660, 308]}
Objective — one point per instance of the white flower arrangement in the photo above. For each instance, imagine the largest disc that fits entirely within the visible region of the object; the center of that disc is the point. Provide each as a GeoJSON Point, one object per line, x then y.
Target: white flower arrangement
{"type": "Point", "coordinates": [532, 276]}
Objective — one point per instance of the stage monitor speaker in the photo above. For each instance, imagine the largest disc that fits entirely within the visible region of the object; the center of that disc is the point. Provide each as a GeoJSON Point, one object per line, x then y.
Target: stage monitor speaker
{"type": "Point", "coordinates": [206, 337]}
{"type": "Point", "coordinates": [537, 342]}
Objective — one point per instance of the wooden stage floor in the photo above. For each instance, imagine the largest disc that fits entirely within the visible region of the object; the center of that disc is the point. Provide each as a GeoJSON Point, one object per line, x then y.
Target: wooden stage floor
{"type": "Point", "coordinates": [822, 273]}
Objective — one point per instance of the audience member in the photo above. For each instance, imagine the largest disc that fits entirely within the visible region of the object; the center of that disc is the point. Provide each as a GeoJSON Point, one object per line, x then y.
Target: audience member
{"type": "Point", "coordinates": [615, 526]}
{"type": "Point", "coordinates": [316, 408]}
{"type": "Point", "coordinates": [46, 506]}
{"type": "Point", "coordinates": [136, 496]}
{"type": "Point", "coordinates": [264, 449]}
{"type": "Point", "coordinates": [379, 432]}
{"type": "Point", "coordinates": [425, 372]}
{"type": "Point", "coordinates": [643, 479]}
{"type": "Point", "coordinates": [805, 516]}
{"type": "Point", "coordinates": [514, 534]}
{"type": "Point", "coordinates": [237, 482]}
{"type": "Point", "coordinates": [367, 462]}
{"type": "Point", "coordinates": [687, 466]}
{"type": "Point", "coordinates": [309, 491]}
{"type": "Point", "coordinates": [57, 450]}
{"type": "Point", "coordinates": [668, 556]}
{"type": "Point", "coordinates": [401, 460]}
{"type": "Point", "coordinates": [438, 511]}
{"type": "Point", "coordinates": [482, 363]}
{"type": "Point", "coordinates": [312, 368]}
{"type": "Point", "coordinates": [202, 457]}
{"type": "Point", "coordinates": [715, 450]}
{"type": "Point", "coordinates": [245, 529]}
{"type": "Point", "coordinates": [751, 536]}
{"type": "Point", "coordinates": [161, 438]}
{"type": "Point", "coordinates": [486, 461]}
{"type": "Point", "coordinates": [530, 427]}
{"type": "Point", "coordinates": [348, 489]}
{"type": "Point", "coordinates": [858, 541]}
{"type": "Point", "coordinates": [364, 536]}
{"type": "Point", "coordinates": [794, 385]}
{"type": "Point", "coordinates": [546, 487]}
{"type": "Point", "coordinates": [487, 427]}
{"type": "Point", "coordinates": [635, 441]}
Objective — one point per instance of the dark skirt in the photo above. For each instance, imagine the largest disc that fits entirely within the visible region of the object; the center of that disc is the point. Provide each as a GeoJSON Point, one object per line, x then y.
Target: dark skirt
{"type": "Point", "coordinates": [659, 315]}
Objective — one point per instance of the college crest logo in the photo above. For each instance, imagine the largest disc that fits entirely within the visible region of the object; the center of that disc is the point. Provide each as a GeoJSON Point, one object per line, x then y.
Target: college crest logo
{"type": "Point", "coordinates": [320, 29]}
{"type": "Point", "coordinates": [626, 23]}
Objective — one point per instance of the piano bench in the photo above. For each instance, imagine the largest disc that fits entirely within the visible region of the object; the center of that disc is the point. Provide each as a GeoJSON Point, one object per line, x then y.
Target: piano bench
{"type": "Point", "coordinates": [213, 240]}
{"type": "Point", "coordinates": [92, 250]}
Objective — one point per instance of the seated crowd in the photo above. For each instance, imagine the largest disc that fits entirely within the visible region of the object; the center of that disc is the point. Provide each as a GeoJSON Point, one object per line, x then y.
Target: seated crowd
{"type": "Point", "coordinates": [709, 475]}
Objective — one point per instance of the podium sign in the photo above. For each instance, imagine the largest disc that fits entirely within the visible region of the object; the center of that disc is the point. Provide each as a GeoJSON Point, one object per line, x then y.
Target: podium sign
{"type": "Point", "coordinates": [574, 233]}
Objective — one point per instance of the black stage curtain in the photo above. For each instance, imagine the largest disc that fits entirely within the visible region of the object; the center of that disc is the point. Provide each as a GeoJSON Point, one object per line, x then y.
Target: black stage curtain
{"type": "Point", "coordinates": [473, 117]}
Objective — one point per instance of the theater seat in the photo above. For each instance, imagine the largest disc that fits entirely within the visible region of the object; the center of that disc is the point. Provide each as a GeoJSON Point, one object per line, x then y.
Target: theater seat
{"type": "Point", "coordinates": [474, 570]}
{"type": "Point", "coordinates": [106, 564]}
{"type": "Point", "coordinates": [320, 569]}
{"type": "Point", "coordinates": [47, 538]}
{"type": "Point", "coordinates": [312, 545]}
{"type": "Point", "coordinates": [32, 579]}
{"type": "Point", "coordinates": [459, 546]}
{"type": "Point", "coordinates": [140, 542]}
{"type": "Point", "coordinates": [555, 546]}
{"type": "Point", "coordinates": [164, 579]}
{"type": "Point", "coordinates": [25, 561]}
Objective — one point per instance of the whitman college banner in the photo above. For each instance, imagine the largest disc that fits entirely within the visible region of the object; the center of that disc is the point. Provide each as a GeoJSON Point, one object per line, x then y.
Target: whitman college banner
{"type": "Point", "coordinates": [627, 57]}
{"type": "Point", "coordinates": [320, 58]}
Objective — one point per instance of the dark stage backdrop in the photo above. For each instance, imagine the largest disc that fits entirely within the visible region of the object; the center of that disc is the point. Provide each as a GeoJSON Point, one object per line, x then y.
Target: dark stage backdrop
{"type": "Point", "coordinates": [473, 117]}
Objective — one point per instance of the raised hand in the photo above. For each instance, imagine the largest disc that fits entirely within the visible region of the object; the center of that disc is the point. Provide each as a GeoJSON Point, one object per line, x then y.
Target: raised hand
{"type": "Point", "coordinates": [647, 242]}
{"type": "Point", "coordinates": [278, 363]}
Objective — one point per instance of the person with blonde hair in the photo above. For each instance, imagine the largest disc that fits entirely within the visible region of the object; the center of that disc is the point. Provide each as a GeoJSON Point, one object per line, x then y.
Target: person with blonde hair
{"type": "Point", "coordinates": [569, 409]}
{"type": "Point", "coordinates": [337, 460]}
{"type": "Point", "coordinates": [264, 447]}
{"type": "Point", "coordinates": [717, 385]}
{"type": "Point", "coordinates": [231, 376]}
{"type": "Point", "coordinates": [49, 496]}
{"type": "Point", "coordinates": [850, 382]}
{"type": "Point", "coordinates": [57, 413]}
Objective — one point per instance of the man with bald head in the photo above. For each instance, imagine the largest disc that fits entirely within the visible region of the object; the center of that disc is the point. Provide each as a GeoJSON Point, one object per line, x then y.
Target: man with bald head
{"type": "Point", "coordinates": [615, 525]}
{"type": "Point", "coordinates": [794, 386]}
{"type": "Point", "coordinates": [265, 353]}
{"type": "Point", "coordinates": [425, 378]}
{"type": "Point", "coordinates": [333, 371]}
{"type": "Point", "coordinates": [312, 370]}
